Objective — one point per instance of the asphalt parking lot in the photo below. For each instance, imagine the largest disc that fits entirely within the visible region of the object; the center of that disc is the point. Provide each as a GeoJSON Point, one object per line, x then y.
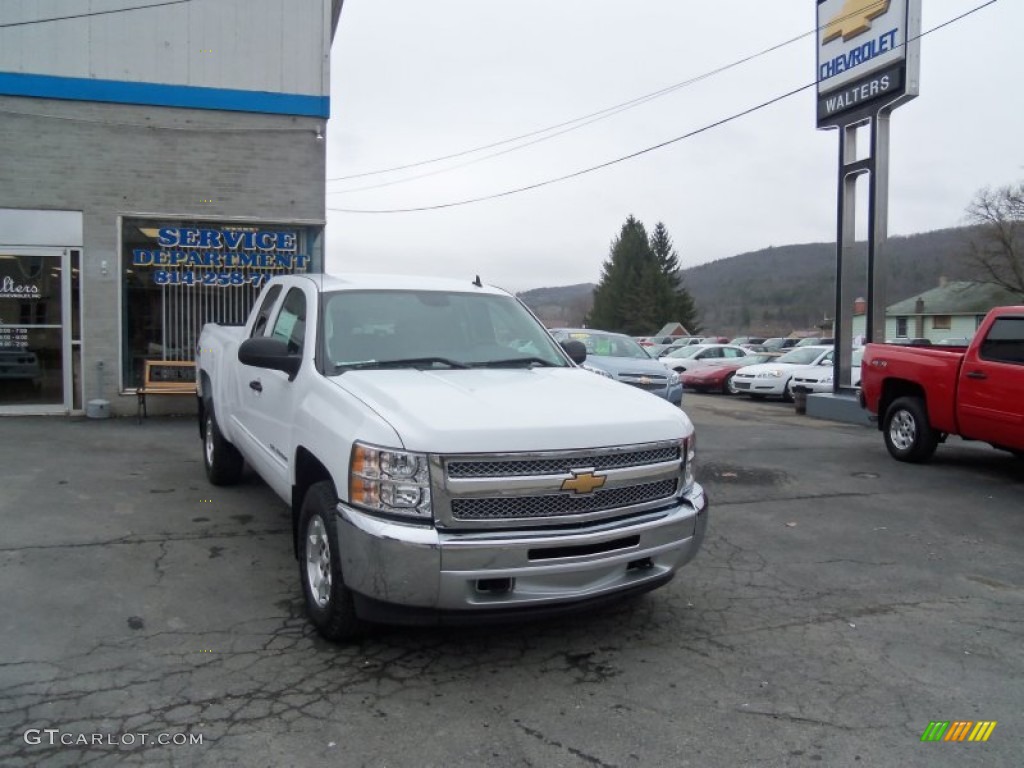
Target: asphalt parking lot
{"type": "Point", "coordinates": [843, 601]}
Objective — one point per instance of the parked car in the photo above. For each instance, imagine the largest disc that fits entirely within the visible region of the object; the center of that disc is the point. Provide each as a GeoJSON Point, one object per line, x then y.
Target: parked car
{"type": "Point", "coordinates": [17, 363]}
{"type": "Point", "coordinates": [775, 379]}
{"type": "Point", "coordinates": [657, 350]}
{"type": "Point", "coordinates": [741, 341]}
{"type": "Point", "coordinates": [686, 341]}
{"type": "Point", "coordinates": [697, 355]}
{"type": "Point", "coordinates": [957, 341]}
{"type": "Point", "coordinates": [815, 341]}
{"type": "Point", "coordinates": [619, 357]}
{"type": "Point", "coordinates": [778, 343]}
{"type": "Point", "coordinates": [663, 350]}
{"type": "Point", "coordinates": [820, 378]}
{"type": "Point", "coordinates": [717, 376]}
{"type": "Point", "coordinates": [921, 396]}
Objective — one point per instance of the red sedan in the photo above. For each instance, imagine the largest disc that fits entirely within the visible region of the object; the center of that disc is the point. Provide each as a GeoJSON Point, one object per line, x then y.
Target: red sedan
{"type": "Point", "coordinates": [716, 377]}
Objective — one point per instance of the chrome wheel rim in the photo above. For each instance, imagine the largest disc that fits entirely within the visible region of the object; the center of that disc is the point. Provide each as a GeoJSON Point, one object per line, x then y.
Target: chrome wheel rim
{"type": "Point", "coordinates": [903, 430]}
{"type": "Point", "coordinates": [318, 561]}
{"type": "Point", "coordinates": [208, 441]}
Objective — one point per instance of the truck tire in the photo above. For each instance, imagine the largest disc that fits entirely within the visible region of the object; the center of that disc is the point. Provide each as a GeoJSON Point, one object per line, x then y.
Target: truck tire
{"type": "Point", "coordinates": [908, 435]}
{"type": "Point", "coordinates": [222, 461]}
{"type": "Point", "coordinates": [329, 602]}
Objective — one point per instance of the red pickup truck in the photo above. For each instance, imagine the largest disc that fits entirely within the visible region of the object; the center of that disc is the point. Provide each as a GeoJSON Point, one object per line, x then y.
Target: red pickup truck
{"type": "Point", "coordinates": [920, 395]}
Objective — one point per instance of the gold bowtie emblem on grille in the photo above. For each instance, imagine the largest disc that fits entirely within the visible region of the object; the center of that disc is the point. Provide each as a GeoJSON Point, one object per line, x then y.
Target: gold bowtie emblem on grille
{"type": "Point", "coordinates": [644, 380]}
{"type": "Point", "coordinates": [583, 482]}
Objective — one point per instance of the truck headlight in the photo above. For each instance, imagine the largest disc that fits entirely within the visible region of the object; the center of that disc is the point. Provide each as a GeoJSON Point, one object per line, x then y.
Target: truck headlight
{"type": "Point", "coordinates": [673, 378]}
{"type": "Point", "coordinates": [690, 454]}
{"type": "Point", "coordinates": [389, 481]}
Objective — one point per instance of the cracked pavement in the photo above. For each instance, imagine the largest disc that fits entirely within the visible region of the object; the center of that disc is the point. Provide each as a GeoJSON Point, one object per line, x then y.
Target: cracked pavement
{"type": "Point", "coordinates": [842, 601]}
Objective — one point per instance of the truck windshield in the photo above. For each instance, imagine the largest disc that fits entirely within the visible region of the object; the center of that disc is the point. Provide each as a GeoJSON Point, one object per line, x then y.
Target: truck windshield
{"type": "Point", "coordinates": [432, 329]}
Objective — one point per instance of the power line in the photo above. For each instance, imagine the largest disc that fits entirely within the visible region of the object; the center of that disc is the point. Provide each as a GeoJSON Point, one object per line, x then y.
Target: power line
{"type": "Point", "coordinates": [569, 125]}
{"type": "Point", "coordinates": [589, 118]}
{"type": "Point", "coordinates": [592, 168]}
{"type": "Point", "coordinates": [92, 13]}
{"type": "Point", "coordinates": [646, 150]}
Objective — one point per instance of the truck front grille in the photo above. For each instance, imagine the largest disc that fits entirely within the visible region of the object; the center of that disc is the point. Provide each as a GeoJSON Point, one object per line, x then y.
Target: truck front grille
{"type": "Point", "coordinates": [555, 505]}
{"type": "Point", "coordinates": [557, 466]}
{"type": "Point", "coordinates": [539, 489]}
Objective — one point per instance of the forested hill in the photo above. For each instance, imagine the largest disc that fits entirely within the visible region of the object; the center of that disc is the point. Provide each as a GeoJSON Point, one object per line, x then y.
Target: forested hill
{"type": "Point", "coordinates": [777, 290]}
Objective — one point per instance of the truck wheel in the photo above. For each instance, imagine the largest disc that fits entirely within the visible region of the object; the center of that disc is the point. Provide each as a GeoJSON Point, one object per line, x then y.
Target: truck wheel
{"type": "Point", "coordinates": [329, 603]}
{"type": "Point", "coordinates": [222, 461]}
{"type": "Point", "coordinates": [908, 435]}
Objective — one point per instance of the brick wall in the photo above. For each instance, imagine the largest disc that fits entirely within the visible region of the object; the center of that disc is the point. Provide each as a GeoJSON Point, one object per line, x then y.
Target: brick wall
{"type": "Point", "coordinates": [108, 160]}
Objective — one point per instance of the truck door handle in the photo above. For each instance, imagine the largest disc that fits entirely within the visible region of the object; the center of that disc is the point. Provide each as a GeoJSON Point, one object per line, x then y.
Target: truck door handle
{"type": "Point", "coordinates": [977, 375]}
{"type": "Point", "coordinates": [256, 385]}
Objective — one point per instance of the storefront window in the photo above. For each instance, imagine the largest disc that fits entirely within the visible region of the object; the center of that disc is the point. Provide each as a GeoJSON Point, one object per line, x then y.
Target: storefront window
{"type": "Point", "coordinates": [31, 337]}
{"type": "Point", "coordinates": [179, 275]}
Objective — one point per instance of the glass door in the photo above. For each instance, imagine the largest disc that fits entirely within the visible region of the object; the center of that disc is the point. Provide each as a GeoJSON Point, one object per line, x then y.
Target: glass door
{"type": "Point", "coordinates": [35, 353]}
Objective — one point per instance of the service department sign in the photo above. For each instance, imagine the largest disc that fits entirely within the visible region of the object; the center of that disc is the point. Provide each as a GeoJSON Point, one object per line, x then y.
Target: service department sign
{"type": "Point", "coordinates": [867, 52]}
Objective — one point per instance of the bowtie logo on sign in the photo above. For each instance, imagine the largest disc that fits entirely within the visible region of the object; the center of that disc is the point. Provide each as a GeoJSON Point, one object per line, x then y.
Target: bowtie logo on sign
{"type": "Point", "coordinates": [854, 19]}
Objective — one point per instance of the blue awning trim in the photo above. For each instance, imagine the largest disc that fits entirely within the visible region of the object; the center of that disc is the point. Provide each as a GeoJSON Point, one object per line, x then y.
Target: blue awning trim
{"type": "Point", "coordinates": [162, 95]}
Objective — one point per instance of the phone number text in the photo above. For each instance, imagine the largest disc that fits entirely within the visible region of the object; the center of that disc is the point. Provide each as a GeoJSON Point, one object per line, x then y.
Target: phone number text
{"type": "Point", "coordinates": [206, 277]}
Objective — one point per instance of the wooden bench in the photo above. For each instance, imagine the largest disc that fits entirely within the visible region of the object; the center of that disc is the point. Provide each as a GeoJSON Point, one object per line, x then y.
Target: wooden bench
{"type": "Point", "coordinates": [166, 377]}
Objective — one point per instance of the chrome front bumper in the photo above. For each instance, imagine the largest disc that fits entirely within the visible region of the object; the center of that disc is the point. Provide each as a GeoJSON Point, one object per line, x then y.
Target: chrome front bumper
{"type": "Point", "coordinates": [424, 568]}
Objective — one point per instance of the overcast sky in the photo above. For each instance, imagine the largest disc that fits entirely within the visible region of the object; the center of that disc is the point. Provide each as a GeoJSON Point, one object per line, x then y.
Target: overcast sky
{"type": "Point", "coordinates": [415, 80]}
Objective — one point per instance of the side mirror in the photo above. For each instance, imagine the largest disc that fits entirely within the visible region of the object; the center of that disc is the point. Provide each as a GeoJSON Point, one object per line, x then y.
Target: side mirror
{"type": "Point", "coordinates": [268, 352]}
{"type": "Point", "coordinates": [576, 350]}
{"type": "Point", "coordinates": [826, 362]}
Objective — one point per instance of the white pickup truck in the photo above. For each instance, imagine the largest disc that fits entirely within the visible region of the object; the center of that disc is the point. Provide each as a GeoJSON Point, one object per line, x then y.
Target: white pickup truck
{"type": "Point", "coordinates": [444, 458]}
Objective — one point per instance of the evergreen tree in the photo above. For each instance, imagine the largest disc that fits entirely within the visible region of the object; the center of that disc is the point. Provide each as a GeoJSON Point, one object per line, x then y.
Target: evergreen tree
{"type": "Point", "coordinates": [681, 306]}
{"type": "Point", "coordinates": [668, 259]}
{"type": "Point", "coordinates": [619, 303]}
{"type": "Point", "coordinates": [640, 288]}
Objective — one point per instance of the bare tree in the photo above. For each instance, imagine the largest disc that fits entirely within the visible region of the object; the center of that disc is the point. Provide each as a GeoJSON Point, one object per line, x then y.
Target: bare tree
{"type": "Point", "coordinates": [997, 242]}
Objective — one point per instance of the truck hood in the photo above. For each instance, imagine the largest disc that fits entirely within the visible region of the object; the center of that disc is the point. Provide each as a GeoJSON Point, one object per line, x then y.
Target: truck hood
{"type": "Point", "coordinates": [487, 410]}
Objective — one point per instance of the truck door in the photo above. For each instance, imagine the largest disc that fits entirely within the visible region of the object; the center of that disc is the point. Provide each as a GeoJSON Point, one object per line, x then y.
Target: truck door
{"type": "Point", "coordinates": [268, 398]}
{"type": "Point", "coordinates": [989, 397]}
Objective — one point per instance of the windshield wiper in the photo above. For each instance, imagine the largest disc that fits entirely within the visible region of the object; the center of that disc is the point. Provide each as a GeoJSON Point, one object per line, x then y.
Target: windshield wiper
{"type": "Point", "coordinates": [512, 361]}
{"type": "Point", "coordinates": [402, 363]}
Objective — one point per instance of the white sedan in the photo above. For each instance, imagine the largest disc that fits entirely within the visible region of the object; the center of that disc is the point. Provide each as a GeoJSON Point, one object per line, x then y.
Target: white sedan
{"type": "Point", "coordinates": [697, 355]}
{"type": "Point", "coordinates": [819, 378]}
{"type": "Point", "coordinates": [775, 379]}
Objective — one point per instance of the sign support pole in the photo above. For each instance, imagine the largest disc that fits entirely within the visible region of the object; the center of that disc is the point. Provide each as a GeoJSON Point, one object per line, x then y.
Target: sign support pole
{"type": "Point", "coordinates": [868, 63]}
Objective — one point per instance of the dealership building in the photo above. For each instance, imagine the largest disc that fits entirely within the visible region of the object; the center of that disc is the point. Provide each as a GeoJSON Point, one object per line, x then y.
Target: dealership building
{"type": "Point", "coordinates": [159, 161]}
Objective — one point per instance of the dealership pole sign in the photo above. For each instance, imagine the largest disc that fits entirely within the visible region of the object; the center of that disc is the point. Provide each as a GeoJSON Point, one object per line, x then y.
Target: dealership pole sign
{"type": "Point", "coordinates": [868, 62]}
{"type": "Point", "coordinates": [868, 57]}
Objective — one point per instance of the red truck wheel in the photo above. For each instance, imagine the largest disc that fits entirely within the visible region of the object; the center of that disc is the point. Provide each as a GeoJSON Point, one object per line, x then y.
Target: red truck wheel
{"type": "Point", "coordinates": [908, 435]}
